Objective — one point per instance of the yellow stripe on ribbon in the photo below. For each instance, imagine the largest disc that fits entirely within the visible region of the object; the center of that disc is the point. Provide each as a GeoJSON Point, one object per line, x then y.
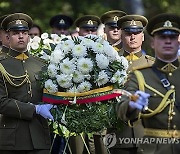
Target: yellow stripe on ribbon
{"type": "Point", "coordinates": [68, 94]}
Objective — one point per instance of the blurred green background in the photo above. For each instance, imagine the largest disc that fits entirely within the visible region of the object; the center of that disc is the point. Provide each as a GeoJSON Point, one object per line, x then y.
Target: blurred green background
{"type": "Point", "coordinates": [42, 10]}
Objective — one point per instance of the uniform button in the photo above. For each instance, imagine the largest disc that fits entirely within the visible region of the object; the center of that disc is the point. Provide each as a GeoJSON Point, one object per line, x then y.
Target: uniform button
{"type": "Point", "coordinates": [23, 61]}
{"type": "Point", "coordinates": [130, 62]}
{"type": "Point", "coordinates": [4, 125]}
{"type": "Point", "coordinates": [170, 74]}
{"type": "Point", "coordinates": [172, 86]}
{"type": "Point", "coordinates": [29, 92]}
{"type": "Point", "coordinates": [174, 126]}
{"type": "Point", "coordinates": [155, 94]}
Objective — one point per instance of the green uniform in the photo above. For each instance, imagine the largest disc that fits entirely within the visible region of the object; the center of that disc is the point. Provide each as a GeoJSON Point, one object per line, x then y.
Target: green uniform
{"type": "Point", "coordinates": [20, 127]}
{"type": "Point", "coordinates": [158, 120]}
{"type": "Point", "coordinates": [136, 61]}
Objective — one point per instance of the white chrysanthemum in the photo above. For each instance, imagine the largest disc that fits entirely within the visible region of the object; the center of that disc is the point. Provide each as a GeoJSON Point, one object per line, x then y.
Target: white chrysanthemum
{"type": "Point", "coordinates": [123, 61]}
{"type": "Point", "coordinates": [52, 70]}
{"type": "Point", "coordinates": [67, 46]}
{"type": "Point", "coordinates": [98, 48]}
{"type": "Point", "coordinates": [102, 79]}
{"type": "Point", "coordinates": [87, 42]}
{"type": "Point", "coordinates": [65, 81]}
{"type": "Point", "coordinates": [79, 50]}
{"type": "Point", "coordinates": [56, 56]}
{"type": "Point", "coordinates": [67, 66]}
{"type": "Point", "coordinates": [78, 77]}
{"type": "Point", "coordinates": [110, 52]}
{"type": "Point", "coordinates": [122, 80]}
{"type": "Point", "coordinates": [84, 86]}
{"type": "Point", "coordinates": [54, 35]}
{"type": "Point", "coordinates": [34, 45]}
{"type": "Point", "coordinates": [50, 86]}
{"type": "Point", "coordinates": [57, 40]}
{"type": "Point", "coordinates": [72, 90]}
{"type": "Point", "coordinates": [44, 36]}
{"type": "Point", "coordinates": [36, 39]}
{"type": "Point", "coordinates": [102, 61]}
{"type": "Point", "coordinates": [45, 56]}
{"type": "Point", "coordinates": [119, 77]}
{"type": "Point", "coordinates": [47, 41]}
{"type": "Point", "coordinates": [85, 65]}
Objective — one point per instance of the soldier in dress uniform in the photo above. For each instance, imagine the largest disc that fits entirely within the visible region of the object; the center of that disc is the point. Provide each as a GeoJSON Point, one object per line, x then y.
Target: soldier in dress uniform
{"type": "Point", "coordinates": [3, 37]}
{"type": "Point", "coordinates": [156, 90]}
{"type": "Point", "coordinates": [132, 37]}
{"type": "Point", "coordinates": [88, 24]}
{"type": "Point", "coordinates": [60, 24]}
{"type": "Point", "coordinates": [111, 29]}
{"type": "Point", "coordinates": [23, 122]}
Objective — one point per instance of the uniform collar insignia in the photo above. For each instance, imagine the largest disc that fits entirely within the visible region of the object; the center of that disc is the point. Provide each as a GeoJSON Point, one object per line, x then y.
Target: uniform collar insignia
{"type": "Point", "coordinates": [90, 22]}
{"type": "Point", "coordinates": [18, 22]}
{"type": "Point", "coordinates": [22, 56]}
{"type": "Point", "coordinates": [167, 24]}
{"type": "Point", "coordinates": [168, 68]}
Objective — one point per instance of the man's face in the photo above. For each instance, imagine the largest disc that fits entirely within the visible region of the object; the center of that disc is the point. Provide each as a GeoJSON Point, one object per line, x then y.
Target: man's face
{"type": "Point", "coordinates": [165, 46]}
{"type": "Point", "coordinates": [113, 34]}
{"type": "Point", "coordinates": [132, 41]}
{"type": "Point", "coordinates": [18, 40]}
{"type": "Point", "coordinates": [86, 31]}
{"type": "Point", "coordinates": [59, 32]}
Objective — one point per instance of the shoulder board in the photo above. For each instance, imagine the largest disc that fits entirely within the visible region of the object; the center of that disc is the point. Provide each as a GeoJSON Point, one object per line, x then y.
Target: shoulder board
{"type": "Point", "coordinates": [146, 63]}
{"type": "Point", "coordinates": [150, 58]}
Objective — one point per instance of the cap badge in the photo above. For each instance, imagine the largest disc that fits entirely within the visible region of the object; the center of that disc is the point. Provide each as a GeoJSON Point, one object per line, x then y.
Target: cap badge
{"type": "Point", "coordinates": [167, 24]}
{"type": "Point", "coordinates": [61, 21]}
{"type": "Point", "coordinates": [133, 23]}
{"type": "Point", "coordinates": [90, 22]}
{"type": "Point", "coordinates": [115, 18]}
{"type": "Point", "coordinates": [18, 22]}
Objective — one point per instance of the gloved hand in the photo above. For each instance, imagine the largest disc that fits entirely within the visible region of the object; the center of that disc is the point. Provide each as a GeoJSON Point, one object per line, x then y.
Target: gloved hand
{"type": "Point", "coordinates": [44, 111]}
{"type": "Point", "coordinates": [142, 101]}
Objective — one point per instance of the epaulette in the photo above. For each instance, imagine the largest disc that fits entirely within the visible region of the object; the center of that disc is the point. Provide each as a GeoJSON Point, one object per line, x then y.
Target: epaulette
{"type": "Point", "coordinates": [149, 61]}
{"type": "Point", "coordinates": [150, 58]}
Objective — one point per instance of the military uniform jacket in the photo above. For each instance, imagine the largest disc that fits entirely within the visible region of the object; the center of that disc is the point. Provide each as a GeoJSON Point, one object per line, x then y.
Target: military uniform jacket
{"type": "Point", "coordinates": [159, 121]}
{"type": "Point", "coordinates": [136, 61]}
{"type": "Point", "coordinates": [20, 127]}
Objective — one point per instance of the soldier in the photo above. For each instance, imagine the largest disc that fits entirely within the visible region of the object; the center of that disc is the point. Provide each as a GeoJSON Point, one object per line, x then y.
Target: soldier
{"type": "Point", "coordinates": [3, 37]}
{"type": "Point", "coordinates": [111, 29]}
{"type": "Point", "coordinates": [157, 88]}
{"type": "Point", "coordinates": [132, 37]}
{"type": "Point", "coordinates": [23, 123]}
{"type": "Point", "coordinates": [60, 24]}
{"type": "Point", "coordinates": [87, 24]}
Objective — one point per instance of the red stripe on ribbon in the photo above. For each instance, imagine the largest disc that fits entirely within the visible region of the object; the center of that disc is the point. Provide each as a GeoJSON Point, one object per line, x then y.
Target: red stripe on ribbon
{"type": "Point", "coordinates": [81, 101]}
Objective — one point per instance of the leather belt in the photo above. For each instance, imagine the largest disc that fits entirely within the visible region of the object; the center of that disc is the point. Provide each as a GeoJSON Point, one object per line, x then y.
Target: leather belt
{"type": "Point", "coordinates": [162, 133]}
